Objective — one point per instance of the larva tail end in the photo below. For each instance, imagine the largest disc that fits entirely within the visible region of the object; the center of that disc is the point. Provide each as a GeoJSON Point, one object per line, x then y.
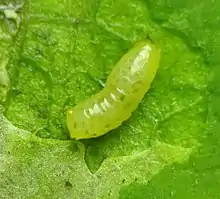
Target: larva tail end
{"type": "Point", "coordinates": [69, 121]}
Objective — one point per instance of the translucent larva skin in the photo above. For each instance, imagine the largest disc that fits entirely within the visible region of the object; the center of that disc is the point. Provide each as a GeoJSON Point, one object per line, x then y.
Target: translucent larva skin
{"type": "Point", "coordinates": [125, 87]}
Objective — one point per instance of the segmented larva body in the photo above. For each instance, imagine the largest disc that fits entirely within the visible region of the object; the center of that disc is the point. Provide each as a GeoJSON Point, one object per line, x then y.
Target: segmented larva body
{"type": "Point", "coordinates": [125, 87]}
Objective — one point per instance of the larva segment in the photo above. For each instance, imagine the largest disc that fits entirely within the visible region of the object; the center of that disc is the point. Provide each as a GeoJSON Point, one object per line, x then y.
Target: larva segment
{"type": "Point", "coordinates": [125, 87]}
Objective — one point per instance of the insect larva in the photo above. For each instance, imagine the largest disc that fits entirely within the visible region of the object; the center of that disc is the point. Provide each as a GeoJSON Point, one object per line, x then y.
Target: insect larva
{"type": "Point", "coordinates": [124, 89]}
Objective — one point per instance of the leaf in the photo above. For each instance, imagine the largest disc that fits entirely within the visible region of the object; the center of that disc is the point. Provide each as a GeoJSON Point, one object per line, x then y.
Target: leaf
{"type": "Point", "coordinates": [62, 52]}
{"type": "Point", "coordinates": [31, 162]}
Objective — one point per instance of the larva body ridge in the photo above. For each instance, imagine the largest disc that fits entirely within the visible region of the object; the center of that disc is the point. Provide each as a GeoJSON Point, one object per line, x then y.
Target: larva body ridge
{"type": "Point", "coordinates": [125, 87]}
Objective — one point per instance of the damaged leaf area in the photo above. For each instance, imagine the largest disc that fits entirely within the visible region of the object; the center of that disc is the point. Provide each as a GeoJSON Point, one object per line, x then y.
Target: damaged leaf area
{"type": "Point", "coordinates": [54, 54]}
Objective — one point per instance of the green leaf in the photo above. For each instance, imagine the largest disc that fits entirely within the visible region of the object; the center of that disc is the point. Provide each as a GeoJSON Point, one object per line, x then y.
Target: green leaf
{"type": "Point", "coordinates": [56, 169]}
{"type": "Point", "coordinates": [59, 53]}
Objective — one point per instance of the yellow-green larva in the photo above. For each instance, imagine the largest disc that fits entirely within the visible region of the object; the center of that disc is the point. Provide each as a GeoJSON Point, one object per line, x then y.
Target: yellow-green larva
{"type": "Point", "coordinates": [125, 87]}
